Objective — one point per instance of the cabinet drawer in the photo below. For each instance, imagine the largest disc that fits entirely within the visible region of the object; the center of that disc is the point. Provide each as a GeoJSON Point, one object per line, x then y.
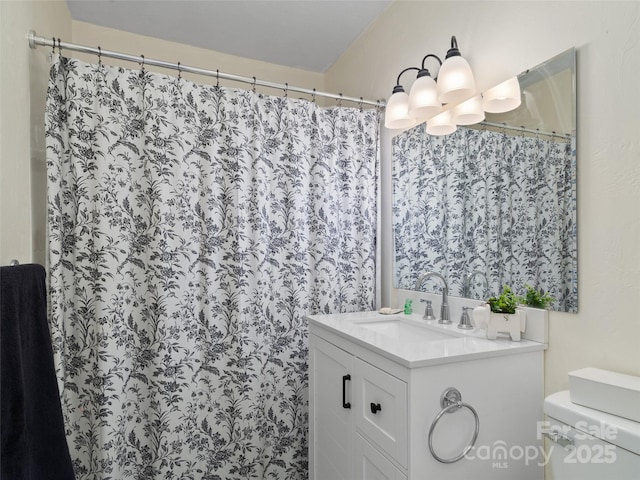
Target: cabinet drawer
{"type": "Point", "coordinates": [371, 465]}
{"type": "Point", "coordinates": [380, 403]}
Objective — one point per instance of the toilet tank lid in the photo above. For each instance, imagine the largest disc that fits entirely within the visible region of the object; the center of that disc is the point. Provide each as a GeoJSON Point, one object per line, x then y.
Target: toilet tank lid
{"type": "Point", "coordinates": [619, 431]}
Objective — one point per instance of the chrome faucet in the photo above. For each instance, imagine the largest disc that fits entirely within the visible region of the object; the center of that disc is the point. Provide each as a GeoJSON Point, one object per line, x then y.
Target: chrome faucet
{"type": "Point", "coordinates": [444, 308]}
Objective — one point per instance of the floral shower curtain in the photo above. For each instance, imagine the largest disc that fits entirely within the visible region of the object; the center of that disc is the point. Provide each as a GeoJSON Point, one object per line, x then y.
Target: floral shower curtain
{"type": "Point", "coordinates": [499, 208]}
{"type": "Point", "coordinates": [191, 228]}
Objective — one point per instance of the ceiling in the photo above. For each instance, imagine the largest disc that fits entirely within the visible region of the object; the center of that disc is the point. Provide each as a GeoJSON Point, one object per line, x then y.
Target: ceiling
{"type": "Point", "coordinates": [308, 34]}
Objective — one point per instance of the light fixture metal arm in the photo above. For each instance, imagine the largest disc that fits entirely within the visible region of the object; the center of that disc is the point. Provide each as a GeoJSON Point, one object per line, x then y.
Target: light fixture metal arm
{"type": "Point", "coordinates": [403, 71]}
{"type": "Point", "coordinates": [433, 56]}
{"type": "Point", "coordinates": [424, 71]}
{"type": "Point", "coordinates": [453, 51]}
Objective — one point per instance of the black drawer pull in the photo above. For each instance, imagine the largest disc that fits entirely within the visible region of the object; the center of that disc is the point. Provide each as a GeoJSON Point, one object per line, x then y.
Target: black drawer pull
{"type": "Point", "coordinates": [375, 407]}
{"type": "Point", "coordinates": [345, 404]}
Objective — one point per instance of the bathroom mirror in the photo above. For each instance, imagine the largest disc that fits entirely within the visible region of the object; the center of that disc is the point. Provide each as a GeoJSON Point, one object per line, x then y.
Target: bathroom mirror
{"type": "Point", "coordinates": [494, 203]}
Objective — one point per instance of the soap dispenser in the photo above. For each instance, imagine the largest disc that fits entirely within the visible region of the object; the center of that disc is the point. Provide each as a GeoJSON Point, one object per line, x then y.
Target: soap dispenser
{"type": "Point", "coordinates": [408, 306]}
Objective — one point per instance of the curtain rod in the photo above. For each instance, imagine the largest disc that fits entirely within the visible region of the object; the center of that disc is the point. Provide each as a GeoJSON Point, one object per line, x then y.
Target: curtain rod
{"type": "Point", "coordinates": [526, 130]}
{"type": "Point", "coordinates": [35, 41]}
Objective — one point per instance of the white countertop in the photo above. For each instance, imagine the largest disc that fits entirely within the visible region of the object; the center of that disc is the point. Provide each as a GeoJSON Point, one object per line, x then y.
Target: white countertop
{"type": "Point", "coordinates": [447, 343]}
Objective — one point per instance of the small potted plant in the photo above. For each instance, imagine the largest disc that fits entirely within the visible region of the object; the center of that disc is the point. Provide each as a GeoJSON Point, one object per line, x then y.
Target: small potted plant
{"type": "Point", "coordinates": [536, 298]}
{"type": "Point", "coordinates": [507, 302]}
{"type": "Point", "coordinates": [501, 315]}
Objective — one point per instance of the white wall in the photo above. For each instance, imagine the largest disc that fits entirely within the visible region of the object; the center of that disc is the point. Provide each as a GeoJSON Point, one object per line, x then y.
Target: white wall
{"type": "Point", "coordinates": [500, 39]}
{"type": "Point", "coordinates": [23, 85]}
{"type": "Point", "coordinates": [117, 40]}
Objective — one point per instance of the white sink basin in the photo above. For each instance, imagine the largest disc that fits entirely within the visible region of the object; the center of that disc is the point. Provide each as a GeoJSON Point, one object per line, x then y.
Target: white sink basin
{"type": "Point", "coordinates": [414, 342]}
{"type": "Point", "coordinates": [403, 330]}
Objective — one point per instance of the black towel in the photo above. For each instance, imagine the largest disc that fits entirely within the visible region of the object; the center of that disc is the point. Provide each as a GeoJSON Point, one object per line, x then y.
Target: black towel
{"type": "Point", "coordinates": [34, 446]}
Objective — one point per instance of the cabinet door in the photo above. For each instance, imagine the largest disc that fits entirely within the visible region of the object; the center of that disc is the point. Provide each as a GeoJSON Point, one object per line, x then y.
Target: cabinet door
{"type": "Point", "coordinates": [369, 464]}
{"type": "Point", "coordinates": [330, 414]}
{"type": "Point", "coordinates": [380, 410]}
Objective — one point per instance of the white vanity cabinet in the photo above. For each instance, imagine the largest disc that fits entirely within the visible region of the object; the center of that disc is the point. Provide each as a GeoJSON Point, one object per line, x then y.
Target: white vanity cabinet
{"type": "Point", "coordinates": [349, 395]}
{"type": "Point", "coordinates": [370, 411]}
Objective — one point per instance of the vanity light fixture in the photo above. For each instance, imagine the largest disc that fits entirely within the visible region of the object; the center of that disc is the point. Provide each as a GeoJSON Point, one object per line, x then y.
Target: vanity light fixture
{"type": "Point", "coordinates": [504, 97]}
{"type": "Point", "coordinates": [455, 78]}
{"type": "Point", "coordinates": [441, 124]}
{"type": "Point", "coordinates": [469, 112]}
{"type": "Point", "coordinates": [448, 100]}
{"type": "Point", "coordinates": [397, 110]}
{"type": "Point", "coordinates": [423, 98]}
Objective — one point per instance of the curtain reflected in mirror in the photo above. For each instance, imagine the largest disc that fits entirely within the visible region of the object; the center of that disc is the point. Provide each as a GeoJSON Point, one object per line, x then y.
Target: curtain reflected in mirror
{"type": "Point", "coordinates": [491, 204]}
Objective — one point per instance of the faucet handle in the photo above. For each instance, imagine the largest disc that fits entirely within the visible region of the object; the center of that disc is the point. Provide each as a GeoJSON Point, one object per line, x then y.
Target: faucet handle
{"type": "Point", "coordinates": [465, 321]}
{"type": "Point", "coordinates": [428, 310]}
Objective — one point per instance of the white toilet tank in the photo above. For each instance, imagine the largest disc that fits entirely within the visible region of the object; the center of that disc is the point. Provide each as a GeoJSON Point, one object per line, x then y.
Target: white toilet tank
{"type": "Point", "coordinates": [601, 446]}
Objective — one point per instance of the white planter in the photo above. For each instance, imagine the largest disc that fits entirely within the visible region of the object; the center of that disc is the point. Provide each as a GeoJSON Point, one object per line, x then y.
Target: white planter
{"type": "Point", "coordinates": [512, 324]}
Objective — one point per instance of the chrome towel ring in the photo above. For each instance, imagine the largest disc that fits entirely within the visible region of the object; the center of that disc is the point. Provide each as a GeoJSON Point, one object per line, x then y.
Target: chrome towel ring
{"type": "Point", "coordinates": [450, 401]}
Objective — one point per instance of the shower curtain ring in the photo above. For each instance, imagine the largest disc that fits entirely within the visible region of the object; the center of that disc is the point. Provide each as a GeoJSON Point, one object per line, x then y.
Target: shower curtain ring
{"type": "Point", "coordinates": [360, 103]}
{"type": "Point", "coordinates": [217, 78]}
{"type": "Point", "coordinates": [179, 72]}
{"type": "Point", "coordinates": [286, 90]}
{"type": "Point", "coordinates": [313, 96]}
{"type": "Point", "coordinates": [340, 100]}
{"type": "Point", "coordinates": [53, 47]}
{"type": "Point", "coordinates": [253, 85]}
{"type": "Point", "coordinates": [99, 56]}
{"type": "Point", "coordinates": [59, 45]}
{"type": "Point", "coordinates": [142, 65]}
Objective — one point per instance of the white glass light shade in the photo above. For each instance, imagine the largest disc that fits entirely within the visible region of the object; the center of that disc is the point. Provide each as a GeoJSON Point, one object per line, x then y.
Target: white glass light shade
{"type": "Point", "coordinates": [441, 124]}
{"type": "Point", "coordinates": [503, 97]}
{"type": "Point", "coordinates": [397, 112]}
{"type": "Point", "coordinates": [455, 81]}
{"type": "Point", "coordinates": [469, 112]}
{"type": "Point", "coordinates": [423, 98]}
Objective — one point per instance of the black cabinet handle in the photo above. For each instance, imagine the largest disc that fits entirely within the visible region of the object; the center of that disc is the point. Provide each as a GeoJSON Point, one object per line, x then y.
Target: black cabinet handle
{"type": "Point", "coordinates": [345, 404]}
{"type": "Point", "coordinates": [375, 407]}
